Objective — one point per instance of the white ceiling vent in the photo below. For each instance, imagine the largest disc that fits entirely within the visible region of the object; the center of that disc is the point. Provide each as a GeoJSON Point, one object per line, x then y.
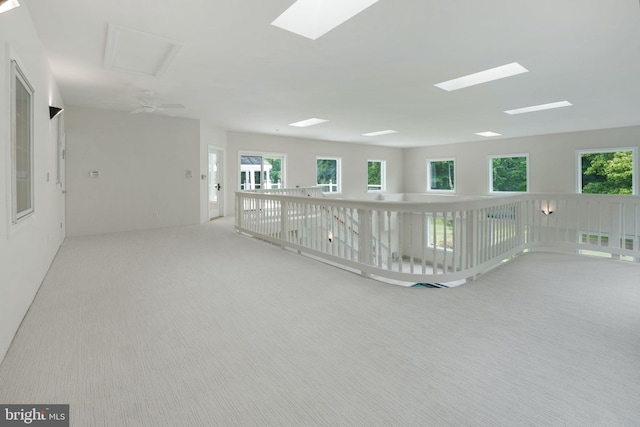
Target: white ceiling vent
{"type": "Point", "coordinates": [138, 52]}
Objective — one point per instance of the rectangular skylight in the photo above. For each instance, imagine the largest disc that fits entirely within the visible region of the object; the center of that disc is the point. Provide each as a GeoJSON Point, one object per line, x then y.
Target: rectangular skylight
{"type": "Point", "coordinates": [541, 107]}
{"type": "Point", "coordinates": [308, 122]}
{"type": "Point", "coordinates": [483, 76]}
{"type": "Point", "coordinates": [488, 133]}
{"type": "Point", "coordinates": [314, 18]}
{"type": "Point", "coordinates": [381, 132]}
{"type": "Point", "coordinates": [8, 5]}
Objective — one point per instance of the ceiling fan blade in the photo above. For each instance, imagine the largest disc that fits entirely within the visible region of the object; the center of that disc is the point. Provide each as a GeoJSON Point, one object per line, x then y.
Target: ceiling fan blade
{"type": "Point", "coordinates": [120, 103]}
{"type": "Point", "coordinates": [177, 106]}
{"type": "Point", "coordinates": [143, 110]}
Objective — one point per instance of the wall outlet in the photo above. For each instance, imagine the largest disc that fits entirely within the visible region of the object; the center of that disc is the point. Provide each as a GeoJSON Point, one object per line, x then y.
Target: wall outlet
{"type": "Point", "coordinates": [94, 174]}
{"type": "Point", "coordinates": [155, 214]}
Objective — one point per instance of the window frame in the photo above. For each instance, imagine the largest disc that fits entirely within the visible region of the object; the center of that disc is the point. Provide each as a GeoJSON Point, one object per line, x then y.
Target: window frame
{"type": "Point", "coordinates": [18, 76]}
{"type": "Point", "coordinates": [503, 156]}
{"type": "Point", "coordinates": [337, 184]}
{"type": "Point", "coordinates": [263, 155]}
{"type": "Point", "coordinates": [383, 176]}
{"type": "Point", "coordinates": [428, 170]}
{"type": "Point", "coordinates": [432, 242]}
{"type": "Point", "coordinates": [634, 165]}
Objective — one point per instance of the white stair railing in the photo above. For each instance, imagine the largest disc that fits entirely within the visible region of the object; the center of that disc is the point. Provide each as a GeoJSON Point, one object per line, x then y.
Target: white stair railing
{"type": "Point", "coordinates": [440, 241]}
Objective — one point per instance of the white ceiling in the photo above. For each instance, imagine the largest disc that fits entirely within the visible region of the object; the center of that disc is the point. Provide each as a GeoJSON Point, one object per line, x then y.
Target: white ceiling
{"type": "Point", "coordinates": [376, 71]}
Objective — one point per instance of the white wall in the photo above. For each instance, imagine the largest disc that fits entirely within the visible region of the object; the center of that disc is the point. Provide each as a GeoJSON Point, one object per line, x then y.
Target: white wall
{"type": "Point", "coordinates": [27, 249]}
{"type": "Point", "coordinates": [552, 159]}
{"type": "Point", "coordinates": [142, 160]}
{"type": "Point", "coordinates": [301, 162]}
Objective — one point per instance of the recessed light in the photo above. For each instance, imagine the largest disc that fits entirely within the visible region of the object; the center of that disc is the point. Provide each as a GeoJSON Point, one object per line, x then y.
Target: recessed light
{"type": "Point", "coordinates": [488, 133]}
{"type": "Point", "coordinates": [483, 76]}
{"type": "Point", "coordinates": [541, 107]}
{"type": "Point", "coordinates": [314, 18]}
{"type": "Point", "coordinates": [381, 132]}
{"type": "Point", "coordinates": [308, 122]}
{"type": "Point", "coordinates": [6, 5]}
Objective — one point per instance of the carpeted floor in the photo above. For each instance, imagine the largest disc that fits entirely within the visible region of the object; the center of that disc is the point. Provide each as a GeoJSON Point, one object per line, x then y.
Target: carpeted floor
{"type": "Point", "coordinates": [199, 326]}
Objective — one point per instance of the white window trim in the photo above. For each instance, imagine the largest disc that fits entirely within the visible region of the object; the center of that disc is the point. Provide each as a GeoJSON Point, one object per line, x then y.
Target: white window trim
{"type": "Point", "coordinates": [263, 154]}
{"type": "Point", "coordinates": [502, 156]}
{"type": "Point", "coordinates": [634, 160]}
{"type": "Point", "coordinates": [17, 71]}
{"type": "Point", "coordinates": [383, 176]}
{"type": "Point", "coordinates": [338, 173]}
{"type": "Point", "coordinates": [429, 227]}
{"type": "Point", "coordinates": [455, 177]}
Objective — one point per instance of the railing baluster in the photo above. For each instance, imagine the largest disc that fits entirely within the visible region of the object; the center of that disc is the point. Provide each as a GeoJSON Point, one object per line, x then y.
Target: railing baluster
{"type": "Point", "coordinates": [423, 241]}
{"type": "Point", "coordinates": [389, 248]}
{"type": "Point", "coordinates": [448, 238]}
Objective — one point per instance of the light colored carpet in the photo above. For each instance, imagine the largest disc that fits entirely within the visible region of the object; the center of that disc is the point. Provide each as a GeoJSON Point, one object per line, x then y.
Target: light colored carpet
{"type": "Point", "coordinates": [200, 326]}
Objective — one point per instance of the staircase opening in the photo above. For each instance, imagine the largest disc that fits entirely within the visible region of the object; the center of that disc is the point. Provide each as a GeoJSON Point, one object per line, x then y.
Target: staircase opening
{"type": "Point", "coordinates": [429, 285]}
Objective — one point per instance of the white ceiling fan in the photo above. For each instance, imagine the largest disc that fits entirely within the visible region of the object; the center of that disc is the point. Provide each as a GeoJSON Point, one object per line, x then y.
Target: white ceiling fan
{"type": "Point", "coordinates": [148, 104]}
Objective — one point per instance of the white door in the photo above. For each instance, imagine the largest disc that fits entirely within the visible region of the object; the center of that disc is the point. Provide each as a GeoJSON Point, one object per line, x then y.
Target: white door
{"type": "Point", "coordinates": [216, 194]}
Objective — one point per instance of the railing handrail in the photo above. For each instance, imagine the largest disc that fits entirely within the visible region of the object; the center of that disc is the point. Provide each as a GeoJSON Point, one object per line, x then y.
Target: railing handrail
{"type": "Point", "coordinates": [441, 240]}
{"type": "Point", "coordinates": [455, 205]}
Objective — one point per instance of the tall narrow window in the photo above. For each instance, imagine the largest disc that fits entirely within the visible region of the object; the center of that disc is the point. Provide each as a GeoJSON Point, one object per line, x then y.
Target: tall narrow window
{"type": "Point", "coordinates": [509, 173]}
{"type": "Point", "coordinates": [441, 175]}
{"type": "Point", "coordinates": [275, 174]}
{"type": "Point", "coordinates": [21, 144]}
{"type": "Point", "coordinates": [607, 171]}
{"type": "Point", "coordinates": [328, 174]}
{"type": "Point", "coordinates": [377, 176]}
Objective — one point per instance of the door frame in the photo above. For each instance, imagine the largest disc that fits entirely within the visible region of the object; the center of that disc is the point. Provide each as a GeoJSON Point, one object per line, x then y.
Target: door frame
{"type": "Point", "coordinates": [221, 193]}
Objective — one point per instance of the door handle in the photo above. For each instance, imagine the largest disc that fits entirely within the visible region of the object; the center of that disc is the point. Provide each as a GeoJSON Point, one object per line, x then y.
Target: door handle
{"type": "Point", "coordinates": [218, 187]}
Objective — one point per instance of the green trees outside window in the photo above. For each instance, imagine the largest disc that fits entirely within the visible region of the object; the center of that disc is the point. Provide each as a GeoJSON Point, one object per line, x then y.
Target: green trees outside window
{"type": "Point", "coordinates": [442, 175]}
{"type": "Point", "coordinates": [328, 174]}
{"type": "Point", "coordinates": [607, 172]}
{"type": "Point", "coordinates": [509, 174]}
{"type": "Point", "coordinates": [376, 175]}
{"type": "Point", "coordinates": [275, 174]}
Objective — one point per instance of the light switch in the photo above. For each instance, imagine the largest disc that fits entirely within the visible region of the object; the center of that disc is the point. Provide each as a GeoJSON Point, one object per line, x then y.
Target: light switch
{"type": "Point", "coordinates": [188, 174]}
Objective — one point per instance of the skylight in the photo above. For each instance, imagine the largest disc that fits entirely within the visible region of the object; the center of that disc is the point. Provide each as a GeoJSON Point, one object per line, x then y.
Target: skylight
{"type": "Point", "coordinates": [483, 76]}
{"type": "Point", "coordinates": [308, 122]}
{"type": "Point", "coordinates": [314, 18]}
{"type": "Point", "coordinates": [541, 107]}
{"type": "Point", "coordinates": [488, 133]}
{"type": "Point", "coordinates": [381, 132]}
{"type": "Point", "coordinates": [8, 5]}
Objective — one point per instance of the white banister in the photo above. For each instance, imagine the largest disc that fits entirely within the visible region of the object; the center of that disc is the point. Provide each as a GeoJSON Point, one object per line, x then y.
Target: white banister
{"type": "Point", "coordinates": [439, 241]}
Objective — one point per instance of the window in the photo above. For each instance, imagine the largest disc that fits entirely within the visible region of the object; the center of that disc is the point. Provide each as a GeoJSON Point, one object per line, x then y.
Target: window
{"type": "Point", "coordinates": [328, 174]}
{"type": "Point", "coordinates": [440, 232]}
{"type": "Point", "coordinates": [607, 171]}
{"type": "Point", "coordinates": [262, 171]}
{"type": "Point", "coordinates": [21, 144]}
{"type": "Point", "coordinates": [509, 173]}
{"type": "Point", "coordinates": [377, 175]}
{"type": "Point", "coordinates": [441, 175]}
